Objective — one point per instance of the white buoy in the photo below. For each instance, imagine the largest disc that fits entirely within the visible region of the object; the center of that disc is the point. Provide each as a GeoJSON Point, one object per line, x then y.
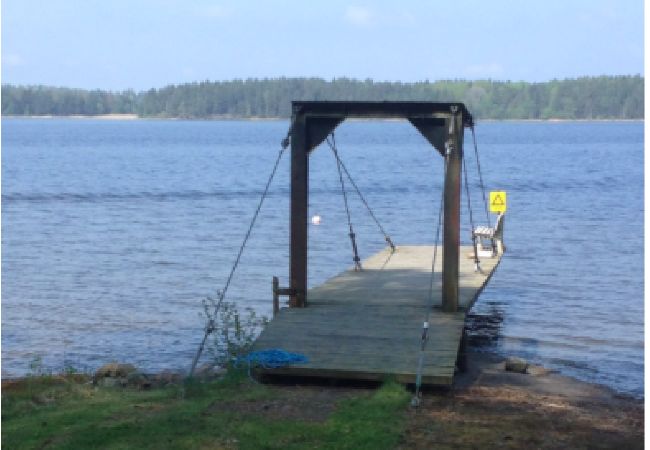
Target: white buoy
{"type": "Point", "coordinates": [315, 219]}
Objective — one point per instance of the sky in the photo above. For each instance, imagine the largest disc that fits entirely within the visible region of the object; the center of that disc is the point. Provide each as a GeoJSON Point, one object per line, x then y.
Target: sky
{"type": "Point", "coordinates": [140, 44]}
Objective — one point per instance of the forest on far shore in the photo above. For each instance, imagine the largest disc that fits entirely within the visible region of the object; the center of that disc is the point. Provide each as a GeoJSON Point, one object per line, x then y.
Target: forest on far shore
{"type": "Point", "coordinates": [604, 97]}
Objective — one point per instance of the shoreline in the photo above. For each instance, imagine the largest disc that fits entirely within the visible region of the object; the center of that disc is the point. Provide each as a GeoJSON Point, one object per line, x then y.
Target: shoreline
{"type": "Point", "coordinates": [483, 366]}
{"type": "Point", "coordinates": [488, 367]}
{"type": "Point", "coordinates": [540, 409]}
{"type": "Point", "coordinates": [130, 117]}
{"type": "Point", "coordinates": [481, 363]}
{"type": "Point", "coordinates": [487, 407]}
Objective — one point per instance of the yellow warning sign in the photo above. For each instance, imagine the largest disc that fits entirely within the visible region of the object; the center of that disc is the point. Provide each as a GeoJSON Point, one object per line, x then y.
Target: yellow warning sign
{"type": "Point", "coordinates": [498, 201]}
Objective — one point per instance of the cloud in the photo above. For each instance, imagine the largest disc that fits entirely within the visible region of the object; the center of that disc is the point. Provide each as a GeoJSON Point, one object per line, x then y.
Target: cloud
{"type": "Point", "coordinates": [492, 69]}
{"type": "Point", "coordinates": [358, 16]}
{"type": "Point", "coordinates": [12, 60]}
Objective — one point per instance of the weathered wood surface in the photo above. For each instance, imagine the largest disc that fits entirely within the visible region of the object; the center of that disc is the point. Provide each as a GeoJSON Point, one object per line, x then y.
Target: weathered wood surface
{"type": "Point", "coordinates": [367, 325]}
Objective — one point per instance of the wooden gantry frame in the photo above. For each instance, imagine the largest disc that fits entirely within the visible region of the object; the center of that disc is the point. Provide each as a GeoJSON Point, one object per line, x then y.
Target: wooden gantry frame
{"type": "Point", "coordinates": [442, 124]}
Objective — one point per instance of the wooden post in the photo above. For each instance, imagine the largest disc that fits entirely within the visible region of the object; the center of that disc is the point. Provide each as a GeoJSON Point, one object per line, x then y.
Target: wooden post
{"type": "Point", "coordinates": [276, 296]}
{"type": "Point", "coordinates": [451, 227]}
{"type": "Point", "coordinates": [298, 227]}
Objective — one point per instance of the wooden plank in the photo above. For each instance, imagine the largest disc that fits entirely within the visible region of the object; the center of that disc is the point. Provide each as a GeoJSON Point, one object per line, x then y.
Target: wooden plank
{"type": "Point", "coordinates": [378, 362]}
{"type": "Point", "coordinates": [438, 336]}
{"type": "Point", "coordinates": [432, 379]}
{"type": "Point", "coordinates": [356, 352]}
{"type": "Point", "coordinates": [366, 325]}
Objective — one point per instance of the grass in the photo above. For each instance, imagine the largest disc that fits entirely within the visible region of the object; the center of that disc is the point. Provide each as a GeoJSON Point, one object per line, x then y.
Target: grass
{"type": "Point", "coordinates": [66, 412]}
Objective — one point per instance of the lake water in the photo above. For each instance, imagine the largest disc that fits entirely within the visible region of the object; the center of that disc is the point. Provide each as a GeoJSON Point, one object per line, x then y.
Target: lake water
{"type": "Point", "coordinates": [114, 231]}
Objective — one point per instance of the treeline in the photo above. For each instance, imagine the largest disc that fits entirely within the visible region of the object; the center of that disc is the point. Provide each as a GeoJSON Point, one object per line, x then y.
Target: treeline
{"type": "Point", "coordinates": [605, 97]}
{"type": "Point", "coordinates": [44, 100]}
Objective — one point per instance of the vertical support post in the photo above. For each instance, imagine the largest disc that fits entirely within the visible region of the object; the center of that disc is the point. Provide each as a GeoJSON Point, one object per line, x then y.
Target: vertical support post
{"type": "Point", "coordinates": [299, 199]}
{"type": "Point", "coordinates": [276, 296]}
{"type": "Point", "coordinates": [451, 227]}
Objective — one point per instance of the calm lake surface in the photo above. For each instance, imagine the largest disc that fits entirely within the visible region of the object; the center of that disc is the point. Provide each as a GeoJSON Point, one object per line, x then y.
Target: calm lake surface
{"type": "Point", "coordinates": [114, 231]}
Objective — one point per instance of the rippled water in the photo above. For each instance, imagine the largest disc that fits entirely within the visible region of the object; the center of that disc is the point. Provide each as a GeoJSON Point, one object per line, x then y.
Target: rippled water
{"type": "Point", "coordinates": [113, 232]}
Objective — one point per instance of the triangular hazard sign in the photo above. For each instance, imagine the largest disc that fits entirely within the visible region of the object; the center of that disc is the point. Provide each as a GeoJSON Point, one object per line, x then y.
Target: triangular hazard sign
{"type": "Point", "coordinates": [497, 201]}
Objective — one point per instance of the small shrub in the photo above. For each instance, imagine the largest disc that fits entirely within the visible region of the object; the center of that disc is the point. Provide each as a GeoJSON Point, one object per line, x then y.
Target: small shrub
{"type": "Point", "coordinates": [234, 332]}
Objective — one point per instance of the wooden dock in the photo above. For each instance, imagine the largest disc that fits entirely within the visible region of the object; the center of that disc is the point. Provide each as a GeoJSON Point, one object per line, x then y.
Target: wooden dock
{"type": "Point", "coordinates": [367, 325]}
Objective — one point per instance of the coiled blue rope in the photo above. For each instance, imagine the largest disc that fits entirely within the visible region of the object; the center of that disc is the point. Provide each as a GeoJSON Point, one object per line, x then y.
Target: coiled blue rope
{"type": "Point", "coordinates": [271, 359]}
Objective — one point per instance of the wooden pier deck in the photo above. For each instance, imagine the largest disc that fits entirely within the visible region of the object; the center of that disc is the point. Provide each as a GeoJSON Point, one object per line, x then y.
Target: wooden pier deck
{"type": "Point", "coordinates": [367, 325]}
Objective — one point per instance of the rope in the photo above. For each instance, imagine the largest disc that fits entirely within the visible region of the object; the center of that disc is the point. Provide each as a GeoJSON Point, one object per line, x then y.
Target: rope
{"type": "Point", "coordinates": [480, 176]}
{"type": "Point", "coordinates": [477, 262]}
{"type": "Point", "coordinates": [425, 326]}
{"type": "Point", "coordinates": [271, 359]}
{"type": "Point", "coordinates": [363, 200]}
{"type": "Point", "coordinates": [355, 252]}
{"type": "Point", "coordinates": [221, 294]}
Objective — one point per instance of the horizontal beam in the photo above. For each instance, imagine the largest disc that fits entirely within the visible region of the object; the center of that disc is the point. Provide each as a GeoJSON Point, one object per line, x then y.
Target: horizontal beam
{"type": "Point", "coordinates": [406, 110]}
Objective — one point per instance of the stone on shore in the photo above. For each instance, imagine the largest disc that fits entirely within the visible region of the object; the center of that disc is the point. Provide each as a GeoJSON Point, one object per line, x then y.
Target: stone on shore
{"type": "Point", "coordinates": [114, 370]}
{"type": "Point", "coordinates": [517, 365]}
{"type": "Point", "coordinates": [113, 374]}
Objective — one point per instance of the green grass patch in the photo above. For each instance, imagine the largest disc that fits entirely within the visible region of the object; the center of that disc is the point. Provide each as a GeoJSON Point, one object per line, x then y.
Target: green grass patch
{"type": "Point", "coordinates": [65, 413]}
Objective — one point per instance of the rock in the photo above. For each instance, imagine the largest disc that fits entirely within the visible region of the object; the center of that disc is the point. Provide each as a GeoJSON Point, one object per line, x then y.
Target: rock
{"type": "Point", "coordinates": [517, 365]}
{"type": "Point", "coordinates": [114, 370]}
